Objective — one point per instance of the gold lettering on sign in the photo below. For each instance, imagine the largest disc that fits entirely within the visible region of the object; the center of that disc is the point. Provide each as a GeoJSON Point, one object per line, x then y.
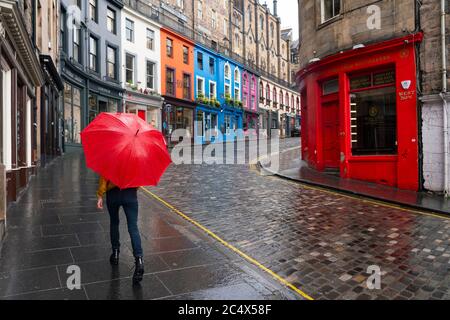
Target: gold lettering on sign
{"type": "Point", "coordinates": [406, 95]}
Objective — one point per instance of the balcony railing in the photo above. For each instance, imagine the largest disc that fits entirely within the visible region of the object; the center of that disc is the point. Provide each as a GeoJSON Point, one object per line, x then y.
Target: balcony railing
{"type": "Point", "coordinates": [178, 25]}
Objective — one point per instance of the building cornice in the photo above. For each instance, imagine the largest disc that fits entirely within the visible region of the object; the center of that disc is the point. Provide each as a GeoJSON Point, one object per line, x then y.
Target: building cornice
{"type": "Point", "coordinates": [11, 21]}
{"type": "Point", "coordinates": [367, 50]}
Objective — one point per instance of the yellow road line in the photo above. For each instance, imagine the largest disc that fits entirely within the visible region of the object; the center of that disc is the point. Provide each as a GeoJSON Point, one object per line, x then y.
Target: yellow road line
{"type": "Point", "coordinates": [229, 246]}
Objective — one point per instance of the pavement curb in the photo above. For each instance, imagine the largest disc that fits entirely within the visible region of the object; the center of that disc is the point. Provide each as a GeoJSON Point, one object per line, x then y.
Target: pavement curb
{"type": "Point", "coordinates": [353, 193]}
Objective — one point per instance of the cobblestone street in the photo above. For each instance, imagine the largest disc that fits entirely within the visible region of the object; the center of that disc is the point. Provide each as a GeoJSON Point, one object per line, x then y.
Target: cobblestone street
{"type": "Point", "coordinates": [320, 241]}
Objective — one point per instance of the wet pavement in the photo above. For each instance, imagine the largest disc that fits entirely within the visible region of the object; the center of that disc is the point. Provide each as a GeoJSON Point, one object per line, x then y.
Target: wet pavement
{"type": "Point", "coordinates": [56, 224]}
{"type": "Point", "coordinates": [320, 242]}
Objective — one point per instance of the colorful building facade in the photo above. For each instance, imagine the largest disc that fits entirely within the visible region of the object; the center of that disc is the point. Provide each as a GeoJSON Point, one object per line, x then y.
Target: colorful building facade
{"type": "Point", "coordinates": [359, 113]}
{"type": "Point", "coordinates": [141, 55]}
{"type": "Point", "coordinates": [177, 73]}
{"type": "Point", "coordinates": [250, 83]}
{"type": "Point", "coordinates": [218, 94]}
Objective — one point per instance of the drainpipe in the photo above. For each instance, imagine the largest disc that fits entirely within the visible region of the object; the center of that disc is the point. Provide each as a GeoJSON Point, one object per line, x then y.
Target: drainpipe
{"type": "Point", "coordinates": [443, 96]}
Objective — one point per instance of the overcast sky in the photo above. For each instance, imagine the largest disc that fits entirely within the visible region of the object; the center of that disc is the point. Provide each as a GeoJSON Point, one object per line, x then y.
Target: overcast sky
{"type": "Point", "coordinates": [288, 12]}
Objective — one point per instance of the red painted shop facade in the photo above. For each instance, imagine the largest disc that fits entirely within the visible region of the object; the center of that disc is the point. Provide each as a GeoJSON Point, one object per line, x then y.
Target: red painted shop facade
{"type": "Point", "coordinates": [359, 113]}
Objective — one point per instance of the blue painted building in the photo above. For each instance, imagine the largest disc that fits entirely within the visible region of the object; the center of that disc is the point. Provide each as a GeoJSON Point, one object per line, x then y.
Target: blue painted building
{"type": "Point", "coordinates": [218, 95]}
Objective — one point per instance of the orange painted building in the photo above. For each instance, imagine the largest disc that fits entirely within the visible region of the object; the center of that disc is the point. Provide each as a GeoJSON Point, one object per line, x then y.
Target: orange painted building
{"type": "Point", "coordinates": [177, 83]}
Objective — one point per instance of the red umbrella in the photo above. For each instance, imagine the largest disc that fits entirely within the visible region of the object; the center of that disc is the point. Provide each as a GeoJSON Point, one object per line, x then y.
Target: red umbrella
{"type": "Point", "coordinates": [125, 150]}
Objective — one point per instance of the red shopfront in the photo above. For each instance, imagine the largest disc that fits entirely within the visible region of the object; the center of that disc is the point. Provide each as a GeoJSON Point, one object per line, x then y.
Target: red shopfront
{"type": "Point", "coordinates": [359, 113]}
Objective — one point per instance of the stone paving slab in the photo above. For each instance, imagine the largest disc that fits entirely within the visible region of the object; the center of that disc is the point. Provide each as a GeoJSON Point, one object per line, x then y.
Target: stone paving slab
{"type": "Point", "coordinates": [56, 224]}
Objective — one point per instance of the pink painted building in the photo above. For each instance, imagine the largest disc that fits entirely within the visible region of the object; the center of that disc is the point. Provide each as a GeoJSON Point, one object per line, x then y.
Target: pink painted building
{"type": "Point", "coordinates": [249, 100]}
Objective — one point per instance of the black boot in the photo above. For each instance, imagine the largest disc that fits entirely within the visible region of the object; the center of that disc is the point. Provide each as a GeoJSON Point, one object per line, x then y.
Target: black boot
{"type": "Point", "coordinates": [114, 259]}
{"type": "Point", "coordinates": [139, 270]}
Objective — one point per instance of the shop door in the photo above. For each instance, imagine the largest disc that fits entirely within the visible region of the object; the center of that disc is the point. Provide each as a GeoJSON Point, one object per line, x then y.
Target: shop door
{"type": "Point", "coordinates": [331, 149]}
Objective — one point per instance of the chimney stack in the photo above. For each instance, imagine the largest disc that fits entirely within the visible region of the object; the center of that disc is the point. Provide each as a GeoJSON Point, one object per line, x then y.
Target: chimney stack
{"type": "Point", "coordinates": [275, 8]}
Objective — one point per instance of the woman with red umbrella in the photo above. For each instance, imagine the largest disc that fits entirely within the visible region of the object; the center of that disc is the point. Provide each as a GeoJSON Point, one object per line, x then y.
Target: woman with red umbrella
{"type": "Point", "coordinates": [127, 153]}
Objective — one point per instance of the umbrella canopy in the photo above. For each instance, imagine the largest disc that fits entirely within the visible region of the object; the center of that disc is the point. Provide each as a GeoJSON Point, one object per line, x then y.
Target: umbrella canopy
{"type": "Point", "coordinates": [125, 150]}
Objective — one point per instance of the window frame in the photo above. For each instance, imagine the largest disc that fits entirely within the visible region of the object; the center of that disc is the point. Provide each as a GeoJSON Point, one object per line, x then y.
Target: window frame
{"type": "Point", "coordinates": [322, 10]}
{"type": "Point", "coordinates": [203, 92]}
{"type": "Point", "coordinates": [189, 91]}
{"type": "Point", "coordinates": [113, 19]}
{"type": "Point", "coordinates": [97, 53]}
{"type": "Point", "coordinates": [116, 62]}
{"type": "Point", "coordinates": [173, 86]}
{"type": "Point", "coordinates": [150, 39]}
{"type": "Point", "coordinates": [77, 31]}
{"type": "Point", "coordinates": [147, 62]}
{"type": "Point", "coordinates": [95, 6]}
{"type": "Point", "coordinates": [133, 69]}
{"type": "Point", "coordinates": [215, 90]}
{"type": "Point", "coordinates": [131, 30]}
{"type": "Point", "coordinates": [169, 53]}
{"type": "Point", "coordinates": [185, 54]}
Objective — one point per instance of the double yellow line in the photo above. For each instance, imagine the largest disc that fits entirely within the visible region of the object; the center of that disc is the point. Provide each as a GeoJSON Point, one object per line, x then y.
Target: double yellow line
{"type": "Point", "coordinates": [228, 245]}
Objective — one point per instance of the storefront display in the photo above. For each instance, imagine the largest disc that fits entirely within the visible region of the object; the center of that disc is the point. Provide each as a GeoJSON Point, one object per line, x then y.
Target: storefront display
{"type": "Point", "coordinates": [359, 113]}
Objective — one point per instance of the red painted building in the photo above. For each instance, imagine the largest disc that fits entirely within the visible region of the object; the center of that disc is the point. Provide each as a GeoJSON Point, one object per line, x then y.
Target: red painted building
{"type": "Point", "coordinates": [359, 113]}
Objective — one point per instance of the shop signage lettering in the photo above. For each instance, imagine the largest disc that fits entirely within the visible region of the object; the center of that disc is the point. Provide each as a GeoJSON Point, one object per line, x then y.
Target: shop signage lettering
{"type": "Point", "coordinates": [360, 82]}
{"type": "Point", "coordinates": [358, 65]}
{"type": "Point", "coordinates": [384, 78]}
{"type": "Point", "coordinates": [407, 95]}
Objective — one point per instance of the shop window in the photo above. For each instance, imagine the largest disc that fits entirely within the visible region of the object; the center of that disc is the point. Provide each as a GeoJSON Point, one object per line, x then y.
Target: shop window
{"type": "Point", "coordinates": [330, 9]}
{"type": "Point", "coordinates": [330, 86]}
{"type": "Point", "coordinates": [374, 121]}
{"type": "Point", "coordinates": [199, 123]}
{"type": "Point", "coordinates": [72, 114]}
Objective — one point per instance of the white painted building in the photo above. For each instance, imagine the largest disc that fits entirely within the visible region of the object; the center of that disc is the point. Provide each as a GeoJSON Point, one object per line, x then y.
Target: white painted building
{"type": "Point", "coordinates": [279, 107]}
{"type": "Point", "coordinates": [141, 66]}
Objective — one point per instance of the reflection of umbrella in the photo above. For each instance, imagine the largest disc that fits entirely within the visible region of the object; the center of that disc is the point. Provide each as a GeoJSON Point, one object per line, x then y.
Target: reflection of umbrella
{"type": "Point", "coordinates": [125, 150]}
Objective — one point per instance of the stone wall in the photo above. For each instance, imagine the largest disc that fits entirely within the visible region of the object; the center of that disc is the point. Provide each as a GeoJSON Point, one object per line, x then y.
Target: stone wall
{"type": "Point", "coordinates": [321, 38]}
{"type": "Point", "coordinates": [430, 54]}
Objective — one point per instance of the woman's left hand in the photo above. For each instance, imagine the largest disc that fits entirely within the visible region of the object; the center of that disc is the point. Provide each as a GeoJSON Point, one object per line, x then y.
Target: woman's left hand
{"type": "Point", "coordinates": [100, 203]}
